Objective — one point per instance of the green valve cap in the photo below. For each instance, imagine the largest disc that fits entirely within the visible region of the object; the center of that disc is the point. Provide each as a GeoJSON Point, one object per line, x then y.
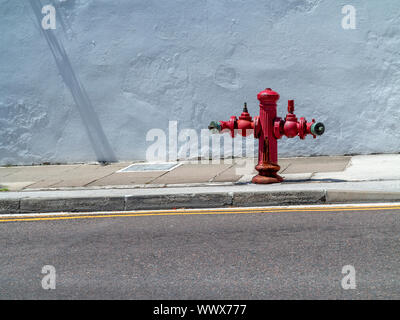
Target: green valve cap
{"type": "Point", "coordinates": [214, 126]}
{"type": "Point", "coordinates": [317, 128]}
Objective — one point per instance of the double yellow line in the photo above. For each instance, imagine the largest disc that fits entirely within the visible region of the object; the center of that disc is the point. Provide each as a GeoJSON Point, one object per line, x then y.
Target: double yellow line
{"type": "Point", "coordinates": [177, 212]}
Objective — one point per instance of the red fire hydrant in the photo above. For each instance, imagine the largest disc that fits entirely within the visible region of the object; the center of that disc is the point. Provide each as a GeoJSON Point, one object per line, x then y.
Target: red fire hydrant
{"type": "Point", "coordinates": [268, 128]}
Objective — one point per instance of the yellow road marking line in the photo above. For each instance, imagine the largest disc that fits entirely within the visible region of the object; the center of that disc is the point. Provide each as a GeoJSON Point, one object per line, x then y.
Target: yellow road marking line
{"type": "Point", "coordinates": [203, 212]}
{"type": "Point", "coordinates": [180, 211]}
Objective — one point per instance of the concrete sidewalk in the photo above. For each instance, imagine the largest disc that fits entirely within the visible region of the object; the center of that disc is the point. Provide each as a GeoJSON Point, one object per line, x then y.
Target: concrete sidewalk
{"type": "Point", "coordinates": [94, 176]}
{"type": "Point", "coordinates": [93, 187]}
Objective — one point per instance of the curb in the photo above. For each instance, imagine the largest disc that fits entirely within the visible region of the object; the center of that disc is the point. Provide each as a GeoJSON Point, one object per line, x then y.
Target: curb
{"type": "Point", "coordinates": [338, 196]}
{"type": "Point", "coordinates": [189, 200]}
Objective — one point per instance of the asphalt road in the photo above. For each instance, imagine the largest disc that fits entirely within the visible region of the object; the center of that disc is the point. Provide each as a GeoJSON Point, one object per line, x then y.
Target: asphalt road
{"type": "Point", "coordinates": [248, 255]}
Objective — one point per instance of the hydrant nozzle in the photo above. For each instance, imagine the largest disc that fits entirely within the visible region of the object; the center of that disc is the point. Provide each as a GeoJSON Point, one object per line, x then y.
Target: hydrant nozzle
{"type": "Point", "coordinates": [214, 126]}
{"type": "Point", "coordinates": [317, 128]}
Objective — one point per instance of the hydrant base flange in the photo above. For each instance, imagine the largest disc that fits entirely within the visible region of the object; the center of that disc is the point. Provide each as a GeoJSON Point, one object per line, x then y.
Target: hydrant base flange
{"type": "Point", "coordinates": [267, 173]}
{"type": "Point", "coordinates": [266, 180]}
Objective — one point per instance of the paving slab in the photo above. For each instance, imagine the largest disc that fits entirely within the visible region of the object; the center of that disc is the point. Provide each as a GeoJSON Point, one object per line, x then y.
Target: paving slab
{"type": "Point", "coordinates": [127, 178]}
{"type": "Point", "coordinates": [44, 176]}
{"type": "Point", "coordinates": [227, 175]}
{"type": "Point", "coordinates": [84, 175]}
{"type": "Point", "coordinates": [192, 173]}
{"type": "Point", "coordinates": [315, 164]}
{"type": "Point", "coordinates": [7, 171]}
{"type": "Point", "coordinates": [367, 168]}
{"type": "Point", "coordinates": [283, 163]}
{"type": "Point", "coordinates": [295, 177]}
{"type": "Point", "coordinates": [17, 186]}
{"type": "Point", "coordinates": [35, 173]}
{"type": "Point", "coordinates": [45, 183]}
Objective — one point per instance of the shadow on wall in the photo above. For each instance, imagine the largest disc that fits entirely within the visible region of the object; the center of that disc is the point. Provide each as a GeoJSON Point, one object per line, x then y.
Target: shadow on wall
{"type": "Point", "coordinates": [98, 139]}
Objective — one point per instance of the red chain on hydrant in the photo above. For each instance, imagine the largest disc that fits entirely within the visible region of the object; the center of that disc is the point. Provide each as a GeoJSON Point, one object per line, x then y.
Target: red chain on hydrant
{"type": "Point", "coordinates": [267, 127]}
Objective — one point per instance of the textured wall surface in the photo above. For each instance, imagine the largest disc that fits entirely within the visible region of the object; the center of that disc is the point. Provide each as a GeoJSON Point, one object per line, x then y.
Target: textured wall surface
{"type": "Point", "coordinates": [145, 62]}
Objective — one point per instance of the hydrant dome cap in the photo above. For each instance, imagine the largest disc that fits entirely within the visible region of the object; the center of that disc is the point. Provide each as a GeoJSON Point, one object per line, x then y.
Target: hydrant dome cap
{"type": "Point", "coordinates": [268, 96]}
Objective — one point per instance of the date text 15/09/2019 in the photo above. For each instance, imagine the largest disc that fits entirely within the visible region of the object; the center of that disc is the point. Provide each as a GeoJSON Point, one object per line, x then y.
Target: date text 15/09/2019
{"type": "Point", "coordinates": [206, 309]}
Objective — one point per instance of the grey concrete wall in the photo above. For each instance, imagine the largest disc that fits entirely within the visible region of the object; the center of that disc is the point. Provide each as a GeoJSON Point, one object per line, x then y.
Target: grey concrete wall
{"type": "Point", "coordinates": [143, 63]}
